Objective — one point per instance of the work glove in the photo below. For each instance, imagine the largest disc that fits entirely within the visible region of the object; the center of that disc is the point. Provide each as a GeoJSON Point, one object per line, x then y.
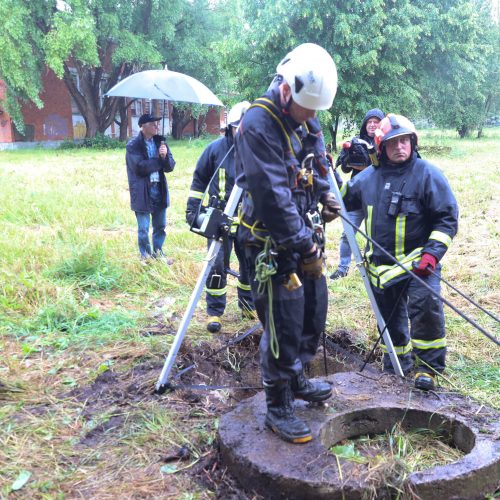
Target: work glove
{"type": "Point", "coordinates": [331, 207]}
{"type": "Point", "coordinates": [312, 264]}
{"type": "Point", "coordinates": [190, 216]}
{"type": "Point", "coordinates": [425, 266]}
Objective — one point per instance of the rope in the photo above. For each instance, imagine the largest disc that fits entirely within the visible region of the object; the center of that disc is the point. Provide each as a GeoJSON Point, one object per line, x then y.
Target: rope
{"type": "Point", "coordinates": [422, 282]}
{"type": "Point", "coordinates": [265, 269]}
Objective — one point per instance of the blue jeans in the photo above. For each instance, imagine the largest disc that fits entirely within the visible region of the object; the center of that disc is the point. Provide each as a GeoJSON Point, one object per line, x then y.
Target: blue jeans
{"type": "Point", "coordinates": [159, 219]}
{"type": "Point", "coordinates": [356, 217]}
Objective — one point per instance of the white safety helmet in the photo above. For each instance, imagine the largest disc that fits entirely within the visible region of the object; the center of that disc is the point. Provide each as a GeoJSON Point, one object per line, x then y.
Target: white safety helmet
{"type": "Point", "coordinates": [236, 113]}
{"type": "Point", "coordinates": [312, 75]}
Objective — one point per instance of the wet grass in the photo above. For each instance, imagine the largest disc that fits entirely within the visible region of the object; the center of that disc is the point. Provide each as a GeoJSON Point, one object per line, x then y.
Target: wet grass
{"type": "Point", "coordinates": [76, 304]}
{"type": "Point", "coordinates": [388, 459]}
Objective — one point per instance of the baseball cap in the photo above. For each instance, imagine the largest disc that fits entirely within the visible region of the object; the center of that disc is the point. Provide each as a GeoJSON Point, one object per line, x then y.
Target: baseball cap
{"type": "Point", "coordinates": [147, 117]}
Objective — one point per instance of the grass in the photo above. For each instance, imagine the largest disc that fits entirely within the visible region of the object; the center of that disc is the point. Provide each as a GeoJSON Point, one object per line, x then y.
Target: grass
{"type": "Point", "coordinates": [75, 303]}
{"type": "Point", "coordinates": [391, 457]}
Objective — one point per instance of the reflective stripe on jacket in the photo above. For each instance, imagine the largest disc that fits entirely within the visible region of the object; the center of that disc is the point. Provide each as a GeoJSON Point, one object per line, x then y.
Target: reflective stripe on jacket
{"type": "Point", "coordinates": [222, 184]}
{"type": "Point", "coordinates": [426, 222]}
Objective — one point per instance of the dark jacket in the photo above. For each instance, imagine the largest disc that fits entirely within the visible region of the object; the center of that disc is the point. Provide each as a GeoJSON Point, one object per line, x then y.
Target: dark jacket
{"type": "Point", "coordinates": [217, 154]}
{"type": "Point", "coordinates": [270, 147]}
{"type": "Point", "coordinates": [425, 221]}
{"type": "Point", "coordinates": [356, 158]}
{"type": "Point", "coordinates": [139, 167]}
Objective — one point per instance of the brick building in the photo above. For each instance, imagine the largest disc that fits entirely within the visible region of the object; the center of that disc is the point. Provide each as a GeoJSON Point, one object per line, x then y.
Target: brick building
{"type": "Point", "coordinates": [60, 119]}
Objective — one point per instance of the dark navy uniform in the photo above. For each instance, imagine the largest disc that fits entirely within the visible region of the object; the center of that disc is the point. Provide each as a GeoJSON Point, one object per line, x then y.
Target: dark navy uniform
{"type": "Point", "coordinates": [422, 218]}
{"type": "Point", "coordinates": [276, 202]}
{"type": "Point", "coordinates": [220, 184]}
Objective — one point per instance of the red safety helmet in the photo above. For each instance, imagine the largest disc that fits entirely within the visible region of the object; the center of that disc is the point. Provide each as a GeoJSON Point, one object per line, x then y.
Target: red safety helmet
{"type": "Point", "coordinates": [394, 126]}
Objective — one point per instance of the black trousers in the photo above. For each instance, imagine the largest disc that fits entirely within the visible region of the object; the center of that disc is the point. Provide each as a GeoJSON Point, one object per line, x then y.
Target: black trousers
{"type": "Point", "coordinates": [299, 317]}
{"type": "Point", "coordinates": [424, 312]}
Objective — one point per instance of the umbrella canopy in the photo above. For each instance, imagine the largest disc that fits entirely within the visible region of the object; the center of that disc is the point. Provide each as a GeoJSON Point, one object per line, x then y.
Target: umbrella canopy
{"type": "Point", "coordinates": [166, 85]}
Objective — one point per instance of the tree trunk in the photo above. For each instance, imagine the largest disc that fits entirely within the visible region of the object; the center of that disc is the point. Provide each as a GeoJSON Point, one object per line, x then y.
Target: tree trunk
{"type": "Point", "coordinates": [123, 122]}
{"type": "Point", "coordinates": [463, 131]}
{"type": "Point", "coordinates": [180, 118]}
{"type": "Point", "coordinates": [334, 127]}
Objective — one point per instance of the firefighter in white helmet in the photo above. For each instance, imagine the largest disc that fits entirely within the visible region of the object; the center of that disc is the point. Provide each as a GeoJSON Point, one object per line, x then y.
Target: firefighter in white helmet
{"type": "Point", "coordinates": [281, 165]}
{"type": "Point", "coordinates": [215, 171]}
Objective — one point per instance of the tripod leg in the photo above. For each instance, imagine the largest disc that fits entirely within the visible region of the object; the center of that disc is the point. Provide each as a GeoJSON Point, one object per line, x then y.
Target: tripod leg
{"type": "Point", "coordinates": [162, 383]}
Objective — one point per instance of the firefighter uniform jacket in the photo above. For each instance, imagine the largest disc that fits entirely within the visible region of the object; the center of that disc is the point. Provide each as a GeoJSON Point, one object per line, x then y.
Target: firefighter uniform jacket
{"type": "Point", "coordinates": [277, 197]}
{"type": "Point", "coordinates": [409, 210]}
{"type": "Point", "coordinates": [216, 154]}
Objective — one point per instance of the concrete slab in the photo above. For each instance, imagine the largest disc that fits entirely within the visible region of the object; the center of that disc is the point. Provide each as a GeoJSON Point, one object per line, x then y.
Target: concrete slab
{"type": "Point", "coordinates": [265, 464]}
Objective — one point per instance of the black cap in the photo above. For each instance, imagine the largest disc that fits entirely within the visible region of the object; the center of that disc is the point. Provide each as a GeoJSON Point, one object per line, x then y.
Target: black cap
{"type": "Point", "coordinates": [146, 118]}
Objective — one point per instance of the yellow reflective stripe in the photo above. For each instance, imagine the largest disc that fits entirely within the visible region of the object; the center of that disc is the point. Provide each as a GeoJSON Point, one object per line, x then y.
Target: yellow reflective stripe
{"type": "Point", "coordinates": [429, 344]}
{"type": "Point", "coordinates": [222, 183]}
{"type": "Point", "coordinates": [242, 286]}
{"type": "Point", "coordinates": [368, 227]}
{"type": "Point", "coordinates": [381, 275]}
{"type": "Point", "coordinates": [443, 238]}
{"type": "Point", "coordinates": [196, 194]}
{"type": "Point", "coordinates": [398, 349]}
{"type": "Point", "coordinates": [216, 291]}
{"type": "Point", "coordinates": [399, 251]}
{"type": "Point", "coordinates": [343, 189]}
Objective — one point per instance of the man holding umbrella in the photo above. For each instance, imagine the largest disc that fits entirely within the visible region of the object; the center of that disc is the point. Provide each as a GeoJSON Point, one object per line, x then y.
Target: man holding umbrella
{"type": "Point", "coordinates": [148, 159]}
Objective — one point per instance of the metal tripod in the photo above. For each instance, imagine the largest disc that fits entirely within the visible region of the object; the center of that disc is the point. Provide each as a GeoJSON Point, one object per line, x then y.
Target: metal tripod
{"type": "Point", "coordinates": [351, 238]}
{"type": "Point", "coordinates": [213, 250]}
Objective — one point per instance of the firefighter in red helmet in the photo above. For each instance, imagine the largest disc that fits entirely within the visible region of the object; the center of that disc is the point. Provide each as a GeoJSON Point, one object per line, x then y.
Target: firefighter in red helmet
{"type": "Point", "coordinates": [410, 210]}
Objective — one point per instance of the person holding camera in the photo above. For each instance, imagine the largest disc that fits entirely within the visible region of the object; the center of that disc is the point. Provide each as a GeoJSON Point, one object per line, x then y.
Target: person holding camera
{"type": "Point", "coordinates": [148, 158]}
{"type": "Point", "coordinates": [354, 158]}
{"type": "Point", "coordinates": [212, 183]}
{"type": "Point", "coordinates": [410, 210]}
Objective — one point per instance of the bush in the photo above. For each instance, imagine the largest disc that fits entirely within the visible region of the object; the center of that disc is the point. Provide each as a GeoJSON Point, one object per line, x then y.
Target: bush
{"type": "Point", "coordinates": [100, 141]}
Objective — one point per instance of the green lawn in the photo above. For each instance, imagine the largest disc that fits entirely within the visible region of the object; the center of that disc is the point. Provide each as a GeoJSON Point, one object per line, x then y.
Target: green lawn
{"type": "Point", "coordinates": [75, 302]}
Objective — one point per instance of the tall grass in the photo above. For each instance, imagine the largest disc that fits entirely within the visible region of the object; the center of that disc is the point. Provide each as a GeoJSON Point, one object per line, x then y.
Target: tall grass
{"type": "Point", "coordinates": [75, 299]}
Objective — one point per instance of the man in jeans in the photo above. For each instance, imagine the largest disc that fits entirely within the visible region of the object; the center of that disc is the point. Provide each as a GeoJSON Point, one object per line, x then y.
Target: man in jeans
{"type": "Point", "coordinates": [148, 159]}
{"type": "Point", "coordinates": [354, 158]}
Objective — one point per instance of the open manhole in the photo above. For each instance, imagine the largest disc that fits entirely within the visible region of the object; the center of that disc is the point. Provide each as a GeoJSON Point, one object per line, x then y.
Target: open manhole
{"type": "Point", "coordinates": [363, 406]}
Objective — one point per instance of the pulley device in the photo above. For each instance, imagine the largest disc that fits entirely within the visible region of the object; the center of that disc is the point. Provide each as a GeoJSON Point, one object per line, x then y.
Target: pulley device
{"type": "Point", "coordinates": [212, 223]}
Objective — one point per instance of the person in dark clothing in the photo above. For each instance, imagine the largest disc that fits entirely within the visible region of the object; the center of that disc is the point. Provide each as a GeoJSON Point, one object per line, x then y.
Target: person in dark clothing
{"type": "Point", "coordinates": [148, 158]}
{"type": "Point", "coordinates": [410, 210]}
{"type": "Point", "coordinates": [281, 165]}
{"type": "Point", "coordinates": [354, 158]}
{"type": "Point", "coordinates": [215, 171]}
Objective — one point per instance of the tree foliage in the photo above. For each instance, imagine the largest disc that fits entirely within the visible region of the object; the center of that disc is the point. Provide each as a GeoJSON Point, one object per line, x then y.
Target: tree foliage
{"type": "Point", "coordinates": [411, 57]}
{"type": "Point", "coordinates": [437, 60]}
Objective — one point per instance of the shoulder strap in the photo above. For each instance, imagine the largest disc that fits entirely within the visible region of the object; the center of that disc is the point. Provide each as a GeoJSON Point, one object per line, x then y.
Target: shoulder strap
{"type": "Point", "coordinates": [272, 109]}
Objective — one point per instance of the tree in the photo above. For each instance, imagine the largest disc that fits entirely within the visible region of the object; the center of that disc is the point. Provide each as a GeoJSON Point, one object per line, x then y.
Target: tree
{"type": "Point", "coordinates": [459, 66]}
{"type": "Point", "coordinates": [417, 58]}
{"type": "Point", "coordinates": [91, 45]}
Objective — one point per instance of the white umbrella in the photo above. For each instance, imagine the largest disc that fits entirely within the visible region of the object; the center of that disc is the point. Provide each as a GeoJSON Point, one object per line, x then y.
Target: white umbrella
{"type": "Point", "coordinates": [166, 85]}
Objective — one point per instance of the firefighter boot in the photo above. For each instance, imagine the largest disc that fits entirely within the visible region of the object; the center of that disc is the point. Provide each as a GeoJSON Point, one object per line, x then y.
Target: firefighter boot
{"type": "Point", "coordinates": [425, 381]}
{"type": "Point", "coordinates": [280, 417]}
{"type": "Point", "coordinates": [214, 324]}
{"type": "Point", "coordinates": [313, 392]}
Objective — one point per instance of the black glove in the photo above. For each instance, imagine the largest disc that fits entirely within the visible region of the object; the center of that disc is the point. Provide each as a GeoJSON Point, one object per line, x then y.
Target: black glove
{"type": "Point", "coordinates": [312, 264]}
{"type": "Point", "coordinates": [190, 217]}
{"type": "Point", "coordinates": [331, 207]}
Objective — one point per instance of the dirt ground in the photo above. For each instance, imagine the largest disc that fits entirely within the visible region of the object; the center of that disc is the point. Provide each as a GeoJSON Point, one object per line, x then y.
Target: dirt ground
{"type": "Point", "coordinates": [215, 379]}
